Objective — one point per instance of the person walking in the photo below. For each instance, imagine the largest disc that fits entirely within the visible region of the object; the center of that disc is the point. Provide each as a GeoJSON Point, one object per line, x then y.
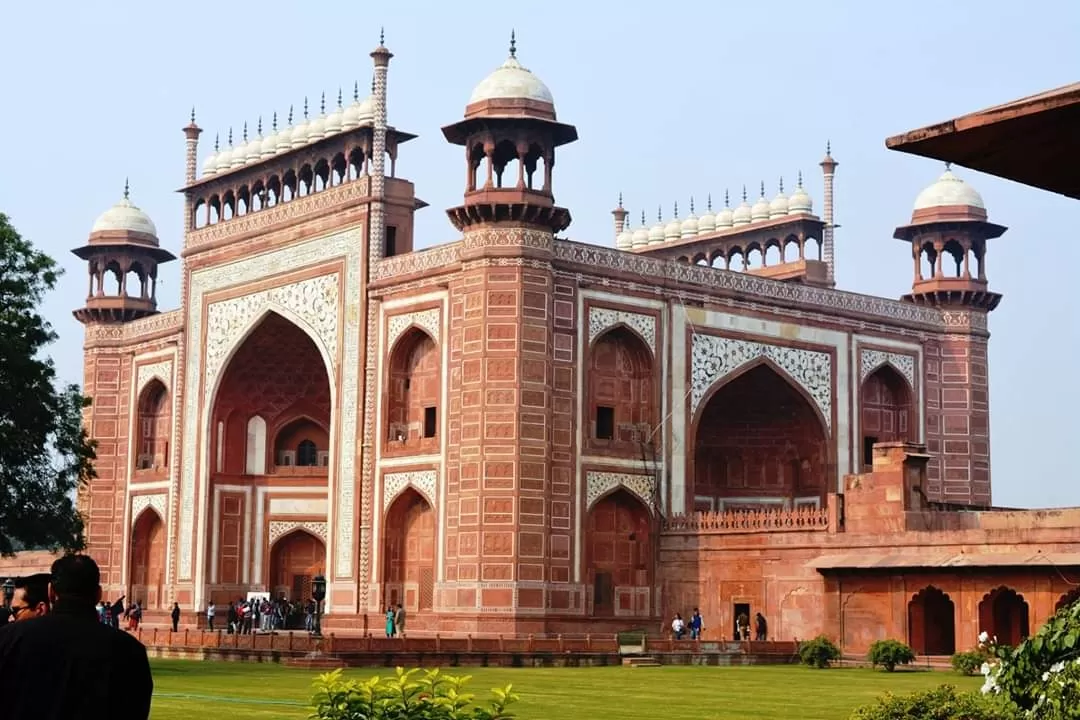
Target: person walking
{"type": "Point", "coordinates": [761, 628]}
{"type": "Point", "coordinates": [211, 611]}
{"type": "Point", "coordinates": [390, 621]}
{"type": "Point", "coordinates": [399, 621]}
{"type": "Point", "coordinates": [697, 625]}
{"type": "Point", "coordinates": [67, 665]}
{"type": "Point", "coordinates": [175, 616]}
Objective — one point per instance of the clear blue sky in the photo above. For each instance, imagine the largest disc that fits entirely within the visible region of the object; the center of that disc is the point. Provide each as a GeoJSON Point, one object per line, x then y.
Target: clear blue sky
{"type": "Point", "coordinates": [671, 99]}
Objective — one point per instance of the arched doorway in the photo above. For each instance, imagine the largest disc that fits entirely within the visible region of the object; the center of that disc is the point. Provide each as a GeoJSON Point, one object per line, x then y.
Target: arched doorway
{"type": "Point", "coordinates": [152, 453]}
{"type": "Point", "coordinates": [295, 560]}
{"type": "Point", "coordinates": [622, 393]}
{"type": "Point", "coordinates": [146, 577]}
{"type": "Point", "coordinates": [1068, 599]}
{"type": "Point", "coordinates": [1003, 613]}
{"type": "Point", "coordinates": [619, 556]}
{"type": "Point", "coordinates": [759, 443]}
{"type": "Point", "coordinates": [275, 386]}
{"type": "Point", "coordinates": [932, 623]}
{"type": "Point", "coordinates": [409, 553]}
{"type": "Point", "coordinates": [884, 410]}
{"type": "Point", "coordinates": [415, 388]}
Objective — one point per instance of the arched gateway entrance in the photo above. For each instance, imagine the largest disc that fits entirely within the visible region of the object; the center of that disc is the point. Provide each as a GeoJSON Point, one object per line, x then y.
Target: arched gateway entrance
{"type": "Point", "coordinates": [932, 623]}
{"type": "Point", "coordinates": [619, 556]}
{"type": "Point", "coordinates": [759, 443]}
{"type": "Point", "coordinates": [409, 553]}
{"type": "Point", "coordinates": [294, 561]}
{"type": "Point", "coordinates": [147, 571]}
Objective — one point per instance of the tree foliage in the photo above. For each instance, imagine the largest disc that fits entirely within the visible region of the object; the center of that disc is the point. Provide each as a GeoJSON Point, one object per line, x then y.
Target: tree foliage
{"type": "Point", "coordinates": [434, 696]}
{"type": "Point", "coordinates": [819, 652]}
{"type": "Point", "coordinates": [45, 454]}
{"type": "Point", "coordinates": [943, 703]}
{"type": "Point", "coordinates": [890, 653]}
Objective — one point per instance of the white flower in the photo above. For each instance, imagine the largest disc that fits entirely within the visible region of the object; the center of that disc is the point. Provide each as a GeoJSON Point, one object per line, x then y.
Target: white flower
{"type": "Point", "coordinates": [984, 636]}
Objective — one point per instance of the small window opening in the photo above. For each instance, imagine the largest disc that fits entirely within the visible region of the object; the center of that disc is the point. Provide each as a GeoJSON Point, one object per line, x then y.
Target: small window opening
{"type": "Point", "coordinates": [306, 454]}
{"type": "Point", "coordinates": [430, 416]}
{"type": "Point", "coordinates": [868, 449]}
{"type": "Point", "coordinates": [605, 422]}
{"type": "Point", "coordinates": [391, 241]}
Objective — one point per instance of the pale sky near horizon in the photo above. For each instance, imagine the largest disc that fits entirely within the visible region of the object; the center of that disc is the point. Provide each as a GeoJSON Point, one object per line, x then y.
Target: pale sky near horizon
{"type": "Point", "coordinates": [671, 100]}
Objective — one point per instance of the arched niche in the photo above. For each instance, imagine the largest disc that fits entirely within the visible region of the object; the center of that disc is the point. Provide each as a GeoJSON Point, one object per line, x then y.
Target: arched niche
{"type": "Point", "coordinates": [619, 556]}
{"type": "Point", "coordinates": [932, 623]}
{"type": "Point", "coordinates": [301, 442]}
{"type": "Point", "coordinates": [409, 552]}
{"type": "Point", "coordinates": [759, 442]}
{"type": "Point", "coordinates": [885, 410]}
{"type": "Point", "coordinates": [154, 424]}
{"type": "Point", "coordinates": [414, 389]}
{"type": "Point", "coordinates": [1004, 614]}
{"type": "Point", "coordinates": [1067, 599]}
{"type": "Point", "coordinates": [622, 392]}
{"type": "Point", "coordinates": [256, 446]}
{"type": "Point", "coordinates": [146, 571]}
{"type": "Point", "coordinates": [295, 559]}
{"type": "Point", "coordinates": [275, 370]}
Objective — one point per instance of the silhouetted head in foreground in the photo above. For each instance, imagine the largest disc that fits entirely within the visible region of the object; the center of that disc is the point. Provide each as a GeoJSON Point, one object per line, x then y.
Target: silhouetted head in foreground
{"type": "Point", "coordinates": [76, 582]}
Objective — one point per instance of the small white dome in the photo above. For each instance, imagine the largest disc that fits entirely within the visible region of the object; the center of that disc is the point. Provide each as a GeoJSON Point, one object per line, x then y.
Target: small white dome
{"type": "Point", "coordinates": [300, 132]}
{"type": "Point", "coordinates": [284, 140]}
{"type": "Point", "coordinates": [949, 190]}
{"type": "Point", "coordinates": [779, 205]}
{"type": "Point", "coordinates": [656, 232]}
{"type": "Point", "coordinates": [268, 147]}
{"type": "Point", "coordinates": [641, 235]}
{"type": "Point", "coordinates": [511, 81]}
{"type": "Point", "coordinates": [673, 230]}
{"type": "Point", "coordinates": [800, 201]}
{"type": "Point", "coordinates": [707, 222]}
{"type": "Point", "coordinates": [359, 113]}
{"type": "Point", "coordinates": [625, 239]}
{"type": "Point", "coordinates": [224, 159]}
{"type": "Point", "coordinates": [210, 165]}
{"type": "Point", "coordinates": [254, 149]}
{"type": "Point", "coordinates": [689, 226]}
{"type": "Point", "coordinates": [726, 217]}
{"type": "Point", "coordinates": [760, 210]}
{"type": "Point", "coordinates": [334, 121]}
{"type": "Point", "coordinates": [742, 215]}
{"type": "Point", "coordinates": [124, 216]}
{"type": "Point", "coordinates": [317, 127]}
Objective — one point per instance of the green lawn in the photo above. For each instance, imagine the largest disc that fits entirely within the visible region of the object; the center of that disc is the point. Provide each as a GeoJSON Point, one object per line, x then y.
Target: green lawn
{"type": "Point", "coordinates": [186, 690]}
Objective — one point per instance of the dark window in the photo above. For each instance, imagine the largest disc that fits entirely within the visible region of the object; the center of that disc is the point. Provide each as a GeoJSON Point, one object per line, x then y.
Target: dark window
{"type": "Point", "coordinates": [391, 241]}
{"type": "Point", "coordinates": [603, 593]}
{"type": "Point", "coordinates": [868, 449]}
{"type": "Point", "coordinates": [430, 416]}
{"type": "Point", "coordinates": [306, 454]}
{"type": "Point", "coordinates": [605, 422]}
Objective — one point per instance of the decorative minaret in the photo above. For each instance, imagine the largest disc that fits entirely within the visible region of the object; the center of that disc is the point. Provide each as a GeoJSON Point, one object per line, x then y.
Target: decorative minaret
{"type": "Point", "coordinates": [511, 399]}
{"type": "Point", "coordinates": [620, 214]}
{"type": "Point", "coordinates": [123, 249]}
{"type": "Point", "coordinates": [947, 235]}
{"type": "Point", "coordinates": [191, 142]}
{"type": "Point", "coordinates": [828, 168]}
{"type": "Point", "coordinates": [377, 221]}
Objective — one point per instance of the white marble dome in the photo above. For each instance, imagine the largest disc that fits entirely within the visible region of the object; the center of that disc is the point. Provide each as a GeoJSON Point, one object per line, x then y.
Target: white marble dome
{"type": "Point", "coordinates": [726, 217]}
{"type": "Point", "coordinates": [210, 165]}
{"type": "Point", "coordinates": [743, 215]}
{"type": "Point", "coordinates": [760, 209]}
{"type": "Point", "coordinates": [641, 235]}
{"type": "Point", "coordinates": [949, 190]}
{"type": "Point", "coordinates": [625, 239]}
{"type": "Point", "coordinates": [707, 222]}
{"type": "Point", "coordinates": [779, 205]}
{"type": "Point", "coordinates": [656, 232]}
{"type": "Point", "coordinates": [224, 159]}
{"type": "Point", "coordinates": [334, 121]}
{"type": "Point", "coordinates": [800, 201]}
{"type": "Point", "coordinates": [689, 227]}
{"type": "Point", "coordinates": [268, 147]}
{"type": "Point", "coordinates": [124, 216]}
{"type": "Point", "coordinates": [511, 81]}
{"type": "Point", "coordinates": [673, 230]}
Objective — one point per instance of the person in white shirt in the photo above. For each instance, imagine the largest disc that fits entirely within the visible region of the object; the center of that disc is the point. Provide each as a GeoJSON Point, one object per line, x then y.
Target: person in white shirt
{"type": "Point", "coordinates": [211, 611]}
{"type": "Point", "coordinates": [678, 627]}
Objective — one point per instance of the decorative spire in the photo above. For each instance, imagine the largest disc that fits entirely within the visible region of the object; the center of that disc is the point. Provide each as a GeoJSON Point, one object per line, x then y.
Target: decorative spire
{"type": "Point", "coordinates": [781, 184]}
{"type": "Point", "coordinates": [659, 213]}
{"type": "Point", "coordinates": [948, 166]}
{"type": "Point", "coordinates": [322, 104]}
{"type": "Point", "coordinates": [513, 44]}
{"type": "Point", "coordinates": [709, 203]}
{"type": "Point", "coordinates": [217, 142]}
{"type": "Point", "coordinates": [382, 36]}
{"type": "Point", "coordinates": [127, 188]}
{"type": "Point", "coordinates": [828, 147]}
{"type": "Point", "coordinates": [245, 131]}
{"type": "Point", "coordinates": [642, 218]}
{"type": "Point", "coordinates": [356, 91]}
{"type": "Point", "coordinates": [676, 216]}
{"type": "Point", "coordinates": [762, 188]}
{"type": "Point", "coordinates": [260, 126]}
{"type": "Point", "coordinates": [305, 107]}
{"type": "Point", "coordinates": [372, 84]}
{"type": "Point", "coordinates": [339, 98]}
{"type": "Point", "coordinates": [800, 178]}
{"type": "Point", "coordinates": [230, 137]}
{"type": "Point", "coordinates": [290, 115]}
{"type": "Point", "coordinates": [744, 193]}
{"type": "Point", "coordinates": [192, 114]}
{"type": "Point", "coordinates": [620, 201]}
{"type": "Point", "coordinates": [691, 204]}
{"type": "Point", "coordinates": [727, 199]}
{"type": "Point", "coordinates": [275, 122]}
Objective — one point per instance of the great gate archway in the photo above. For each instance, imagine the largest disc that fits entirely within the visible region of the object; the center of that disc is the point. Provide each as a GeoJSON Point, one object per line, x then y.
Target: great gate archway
{"type": "Point", "coordinates": [759, 443]}
{"type": "Point", "coordinates": [146, 579]}
{"type": "Point", "coordinates": [295, 560]}
{"type": "Point", "coordinates": [932, 623]}
{"type": "Point", "coordinates": [619, 556]}
{"type": "Point", "coordinates": [409, 553]}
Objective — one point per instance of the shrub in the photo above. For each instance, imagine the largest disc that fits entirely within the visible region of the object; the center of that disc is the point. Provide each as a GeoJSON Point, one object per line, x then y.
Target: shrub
{"type": "Point", "coordinates": [819, 652]}
{"type": "Point", "coordinates": [890, 653]}
{"type": "Point", "coordinates": [404, 697]}
{"type": "Point", "coordinates": [970, 662]}
{"type": "Point", "coordinates": [942, 703]}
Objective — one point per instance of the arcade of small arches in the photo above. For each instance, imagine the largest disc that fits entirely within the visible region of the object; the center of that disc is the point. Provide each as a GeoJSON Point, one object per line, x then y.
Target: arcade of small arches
{"type": "Point", "coordinates": [1003, 613]}
{"type": "Point", "coordinates": [123, 276]}
{"type": "Point", "coordinates": [932, 259]}
{"type": "Point", "coordinates": [755, 255]}
{"type": "Point", "coordinates": [343, 159]}
{"type": "Point", "coordinates": [523, 156]}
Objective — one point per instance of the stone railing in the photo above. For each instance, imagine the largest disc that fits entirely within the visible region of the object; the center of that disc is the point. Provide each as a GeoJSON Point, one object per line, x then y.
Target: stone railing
{"type": "Point", "coordinates": [425, 260]}
{"type": "Point", "coordinates": [742, 521]}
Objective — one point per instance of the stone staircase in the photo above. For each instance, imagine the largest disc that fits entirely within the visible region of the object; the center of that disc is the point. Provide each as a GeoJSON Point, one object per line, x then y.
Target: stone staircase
{"type": "Point", "coordinates": [638, 661]}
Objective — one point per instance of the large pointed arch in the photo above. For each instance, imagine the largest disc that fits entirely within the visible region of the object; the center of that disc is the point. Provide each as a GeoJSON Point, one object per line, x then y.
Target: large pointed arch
{"type": "Point", "coordinates": [759, 441]}
{"type": "Point", "coordinates": [622, 392]}
{"type": "Point", "coordinates": [146, 571]}
{"type": "Point", "coordinates": [619, 556]}
{"type": "Point", "coordinates": [413, 392]}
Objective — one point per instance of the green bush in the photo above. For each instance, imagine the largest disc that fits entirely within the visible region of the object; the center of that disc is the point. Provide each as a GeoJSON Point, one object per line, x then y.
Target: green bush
{"type": "Point", "coordinates": [943, 703]}
{"type": "Point", "coordinates": [404, 697]}
{"type": "Point", "coordinates": [970, 662]}
{"type": "Point", "coordinates": [819, 652]}
{"type": "Point", "coordinates": [890, 653]}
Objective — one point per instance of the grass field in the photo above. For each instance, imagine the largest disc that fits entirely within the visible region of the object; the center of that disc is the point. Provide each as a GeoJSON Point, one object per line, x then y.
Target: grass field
{"type": "Point", "coordinates": [184, 690]}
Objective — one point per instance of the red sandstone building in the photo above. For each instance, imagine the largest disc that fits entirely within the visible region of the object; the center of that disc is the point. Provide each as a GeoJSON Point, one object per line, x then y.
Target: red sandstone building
{"type": "Point", "coordinates": [521, 433]}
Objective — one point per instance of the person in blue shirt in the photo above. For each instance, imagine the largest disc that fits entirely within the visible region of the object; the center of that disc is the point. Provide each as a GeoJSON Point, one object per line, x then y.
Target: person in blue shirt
{"type": "Point", "coordinates": [697, 625]}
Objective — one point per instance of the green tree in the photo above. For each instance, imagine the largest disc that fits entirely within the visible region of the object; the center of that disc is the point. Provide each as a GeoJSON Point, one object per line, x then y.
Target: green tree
{"type": "Point", "coordinates": [45, 454]}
